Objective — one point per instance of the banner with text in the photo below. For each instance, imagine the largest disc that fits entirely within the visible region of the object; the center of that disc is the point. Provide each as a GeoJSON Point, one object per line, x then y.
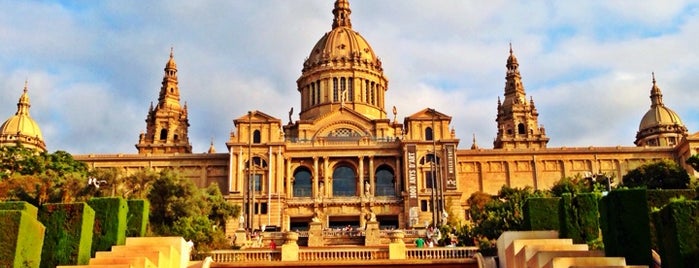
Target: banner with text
{"type": "Point", "coordinates": [451, 166]}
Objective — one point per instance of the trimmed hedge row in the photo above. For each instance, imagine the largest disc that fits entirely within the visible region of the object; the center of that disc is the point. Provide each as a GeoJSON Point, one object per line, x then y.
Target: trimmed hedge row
{"type": "Point", "coordinates": [21, 236]}
{"type": "Point", "coordinates": [541, 213]}
{"type": "Point", "coordinates": [678, 228]}
{"type": "Point", "coordinates": [68, 234]}
{"type": "Point", "coordinates": [137, 218]}
{"type": "Point", "coordinates": [579, 217]}
{"type": "Point", "coordinates": [110, 223]}
{"type": "Point", "coordinates": [625, 226]}
{"type": "Point", "coordinates": [20, 205]}
{"type": "Point", "coordinates": [659, 198]}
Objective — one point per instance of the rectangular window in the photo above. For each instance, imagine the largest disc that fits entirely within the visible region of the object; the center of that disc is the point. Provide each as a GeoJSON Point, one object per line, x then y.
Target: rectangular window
{"type": "Point", "coordinates": [261, 208]}
{"type": "Point", "coordinates": [425, 205]}
{"type": "Point", "coordinates": [257, 178]}
{"type": "Point", "coordinates": [428, 180]}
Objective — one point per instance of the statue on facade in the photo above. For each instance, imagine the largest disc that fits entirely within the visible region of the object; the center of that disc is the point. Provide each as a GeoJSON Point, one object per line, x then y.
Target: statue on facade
{"type": "Point", "coordinates": [241, 222]}
{"type": "Point", "coordinates": [367, 189]}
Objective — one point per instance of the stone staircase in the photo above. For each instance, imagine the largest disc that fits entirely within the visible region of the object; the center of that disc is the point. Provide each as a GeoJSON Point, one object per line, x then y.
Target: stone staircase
{"type": "Point", "coordinates": [146, 252]}
{"type": "Point", "coordinates": [543, 249]}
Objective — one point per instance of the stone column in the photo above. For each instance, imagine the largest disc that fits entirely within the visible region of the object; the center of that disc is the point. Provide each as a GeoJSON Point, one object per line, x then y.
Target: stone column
{"type": "Point", "coordinates": [361, 175]}
{"type": "Point", "coordinates": [314, 186]}
{"type": "Point", "coordinates": [371, 175]}
{"type": "Point", "coordinates": [289, 176]}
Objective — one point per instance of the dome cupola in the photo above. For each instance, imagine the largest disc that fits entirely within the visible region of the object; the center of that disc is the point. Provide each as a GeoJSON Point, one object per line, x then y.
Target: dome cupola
{"type": "Point", "coordinates": [21, 128]}
{"type": "Point", "coordinates": [342, 71]}
{"type": "Point", "coordinates": [660, 126]}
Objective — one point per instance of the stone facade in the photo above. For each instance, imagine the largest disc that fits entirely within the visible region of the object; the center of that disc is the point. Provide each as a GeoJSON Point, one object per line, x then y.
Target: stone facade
{"type": "Point", "coordinates": [346, 159]}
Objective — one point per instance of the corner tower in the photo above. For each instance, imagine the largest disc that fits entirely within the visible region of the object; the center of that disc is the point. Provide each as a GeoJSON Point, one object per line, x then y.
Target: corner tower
{"type": "Point", "coordinates": [660, 126]}
{"type": "Point", "coordinates": [342, 71]}
{"type": "Point", "coordinates": [518, 119]}
{"type": "Point", "coordinates": [21, 128]}
{"type": "Point", "coordinates": [166, 124]}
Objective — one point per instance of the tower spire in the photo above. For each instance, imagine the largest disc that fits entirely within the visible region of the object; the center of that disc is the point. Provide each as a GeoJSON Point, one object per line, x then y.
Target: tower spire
{"type": "Point", "coordinates": [23, 103]}
{"type": "Point", "coordinates": [517, 118]}
{"type": "Point", "coordinates": [656, 96]}
{"type": "Point", "coordinates": [167, 123]}
{"type": "Point", "coordinates": [342, 14]}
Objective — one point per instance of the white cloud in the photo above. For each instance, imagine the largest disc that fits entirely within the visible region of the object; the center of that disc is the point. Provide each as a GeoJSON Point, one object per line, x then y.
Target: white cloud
{"type": "Point", "coordinates": [94, 67]}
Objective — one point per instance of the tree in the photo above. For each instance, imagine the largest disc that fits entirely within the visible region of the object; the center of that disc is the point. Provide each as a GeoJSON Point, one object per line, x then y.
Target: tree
{"type": "Point", "coordinates": [694, 162]}
{"type": "Point", "coordinates": [40, 177]}
{"type": "Point", "coordinates": [504, 212]}
{"type": "Point", "coordinates": [663, 174]}
{"type": "Point", "coordinates": [179, 208]}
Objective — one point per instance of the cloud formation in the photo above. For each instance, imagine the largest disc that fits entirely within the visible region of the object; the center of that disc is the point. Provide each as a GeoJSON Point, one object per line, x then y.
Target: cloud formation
{"type": "Point", "coordinates": [94, 67]}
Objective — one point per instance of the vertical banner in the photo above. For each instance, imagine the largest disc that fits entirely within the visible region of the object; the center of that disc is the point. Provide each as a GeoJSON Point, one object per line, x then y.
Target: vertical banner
{"type": "Point", "coordinates": [411, 163]}
{"type": "Point", "coordinates": [451, 166]}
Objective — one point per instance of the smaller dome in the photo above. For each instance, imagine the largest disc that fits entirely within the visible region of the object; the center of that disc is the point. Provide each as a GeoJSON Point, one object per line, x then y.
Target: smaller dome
{"type": "Point", "coordinates": [658, 114]}
{"type": "Point", "coordinates": [21, 128]}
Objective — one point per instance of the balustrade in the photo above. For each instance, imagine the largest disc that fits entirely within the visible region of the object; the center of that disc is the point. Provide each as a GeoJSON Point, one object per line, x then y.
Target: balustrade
{"type": "Point", "coordinates": [440, 253]}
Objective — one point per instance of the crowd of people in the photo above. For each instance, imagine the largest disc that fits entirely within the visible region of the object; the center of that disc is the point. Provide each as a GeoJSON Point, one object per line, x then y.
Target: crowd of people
{"type": "Point", "coordinates": [433, 237]}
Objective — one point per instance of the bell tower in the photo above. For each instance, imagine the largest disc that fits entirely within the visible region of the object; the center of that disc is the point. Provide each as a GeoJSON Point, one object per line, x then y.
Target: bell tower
{"type": "Point", "coordinates": [518, 123]}
{"type": "Point", "coordinates": [166, 124]}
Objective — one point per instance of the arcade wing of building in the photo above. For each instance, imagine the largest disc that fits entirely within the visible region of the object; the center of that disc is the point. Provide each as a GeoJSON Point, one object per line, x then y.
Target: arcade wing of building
{"type": "Point", "coordinates": [347, 156]}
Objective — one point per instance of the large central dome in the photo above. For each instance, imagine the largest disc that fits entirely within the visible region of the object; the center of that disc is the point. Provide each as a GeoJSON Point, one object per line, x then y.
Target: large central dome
{"type": "Point", "coordinates": [342, 71]}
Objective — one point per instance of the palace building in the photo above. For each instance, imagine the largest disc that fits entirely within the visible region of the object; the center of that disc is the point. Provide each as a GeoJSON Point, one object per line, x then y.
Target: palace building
{"type": "Point", "coordinates": [348, 155]}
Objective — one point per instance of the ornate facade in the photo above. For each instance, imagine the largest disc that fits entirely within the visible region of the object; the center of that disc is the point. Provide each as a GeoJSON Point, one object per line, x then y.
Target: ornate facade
{"type": "Point", "coordinates": [346, 157]}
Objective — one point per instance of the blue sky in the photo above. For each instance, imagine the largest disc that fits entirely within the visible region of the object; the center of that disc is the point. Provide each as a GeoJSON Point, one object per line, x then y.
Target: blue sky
{"type": "Point", "coordinates": [94, 67]}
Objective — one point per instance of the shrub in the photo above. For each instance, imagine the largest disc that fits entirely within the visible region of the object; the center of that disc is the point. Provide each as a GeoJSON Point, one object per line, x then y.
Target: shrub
{"type": "Point", "coordinates": [110, 222]}
{"type": "Point", "coordinates": [541, 214]}
{"type": "Point", "coordinates": [68, 234]}
{"type": "Point", "coordinates": [137, 217]}
{"type": "Point", "coordinates": [625, 226]}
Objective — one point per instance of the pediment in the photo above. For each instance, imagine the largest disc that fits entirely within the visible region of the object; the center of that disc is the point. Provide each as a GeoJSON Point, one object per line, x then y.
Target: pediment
{"type": "Point", "coordinates": [258, 117]}
{"type": "Point", "coordinates": [428, 114]}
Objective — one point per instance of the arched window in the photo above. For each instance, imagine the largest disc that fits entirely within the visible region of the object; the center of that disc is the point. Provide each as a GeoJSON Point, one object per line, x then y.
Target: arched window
{"type": "Point", "coordinates": [428, 134]}
{"type": "Point", "coordinates": [256, 137]}
{"type": "Point", "coordinates": [385, 181]}
{"type": "Point", "coordinates": [163, 134]}
{"type": "Point", "coordinates": [302, 183]}
{"type": "Point", "coordinates": [520, 129]}
{"type": "Point", "coordinates": [344, 182]}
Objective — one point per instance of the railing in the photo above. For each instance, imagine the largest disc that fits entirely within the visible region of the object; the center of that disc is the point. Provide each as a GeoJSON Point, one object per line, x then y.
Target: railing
{"type": "Point", "coordinates": [346, 254]}
{"type": "Point", "coordinates": [342, 254]}
{"type": "Point", "coordinates": [440, 253]}
{"type": "Point", "coordinates": [342, 233]}
{"type": "Point", "coordinates": [246, 255]}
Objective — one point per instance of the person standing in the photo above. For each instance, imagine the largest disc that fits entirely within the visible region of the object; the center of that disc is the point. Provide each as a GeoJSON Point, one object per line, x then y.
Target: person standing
{"type": "Point", "coordinates": [419, 242]}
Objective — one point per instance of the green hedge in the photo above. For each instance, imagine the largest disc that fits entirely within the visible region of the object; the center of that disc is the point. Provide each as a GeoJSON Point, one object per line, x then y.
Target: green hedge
{"type": "Point", "coordinates": [678, 228]}
{"type": "Point", "coordinates": [20, 205]}
{"type": "Point", "coordinates": [110, 223]}
{"type": "Point", "coordinates": [541, 213]}
{"type": "Point", "coordinates": [137, 218]}
{"type": "Point", "coordinates": [568, 220]}
{"type": "Point", "coordinates": [587, 210]}
{"type": "Point", "coordinates": [626, 227]}
{"type": "Point", "coordinates": [68, 234]}
{"type": "Point", "coordinates": [21, 238]}
{"type": "Point", "coordinates": [659, 198]}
